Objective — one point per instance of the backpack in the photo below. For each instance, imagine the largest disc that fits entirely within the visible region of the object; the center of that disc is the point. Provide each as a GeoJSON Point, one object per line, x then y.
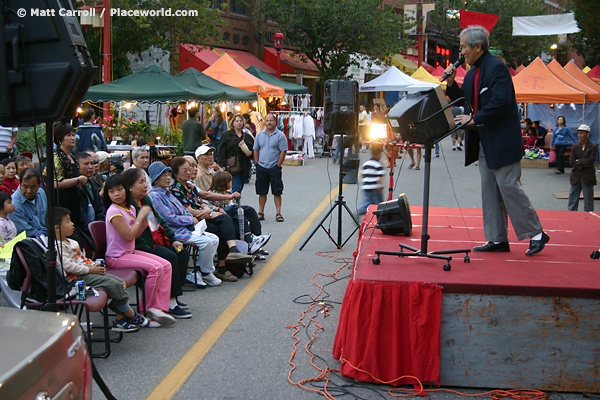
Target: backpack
{"type": "Point", "coordinates": [35, 254]}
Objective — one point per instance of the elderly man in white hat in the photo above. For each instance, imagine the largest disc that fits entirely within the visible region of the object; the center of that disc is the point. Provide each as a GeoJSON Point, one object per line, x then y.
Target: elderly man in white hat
{"type": "Point", "coordinates": [583, 175]}
{"type": "Point", "coordinates": [206, 166]}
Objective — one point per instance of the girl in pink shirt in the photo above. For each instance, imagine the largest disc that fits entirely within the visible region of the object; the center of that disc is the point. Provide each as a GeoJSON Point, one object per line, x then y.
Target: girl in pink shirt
{"type": "Point", "coordinates": [123, 226]}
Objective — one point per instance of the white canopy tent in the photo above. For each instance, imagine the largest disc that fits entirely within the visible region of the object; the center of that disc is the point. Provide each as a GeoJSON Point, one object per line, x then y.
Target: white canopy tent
{"type": "Point", "coordinates": [393, 80]}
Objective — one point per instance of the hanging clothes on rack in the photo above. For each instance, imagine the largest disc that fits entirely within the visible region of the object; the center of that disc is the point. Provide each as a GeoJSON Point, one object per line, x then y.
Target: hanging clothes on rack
{"type": "Point", "coordinates": [308, 124]}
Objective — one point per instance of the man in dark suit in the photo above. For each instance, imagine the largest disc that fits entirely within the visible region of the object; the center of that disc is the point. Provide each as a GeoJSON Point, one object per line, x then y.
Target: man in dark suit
{"type": "Point", "coordinates": [495, 141]}
{"type": "Point", "coordinates": [583, 175]}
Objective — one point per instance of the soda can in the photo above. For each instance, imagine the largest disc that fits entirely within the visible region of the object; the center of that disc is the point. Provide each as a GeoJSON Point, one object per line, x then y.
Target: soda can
{"type": "Point", "coordinates": [80, 290]}
{"type": "Point", "coordinates": [100, 262]}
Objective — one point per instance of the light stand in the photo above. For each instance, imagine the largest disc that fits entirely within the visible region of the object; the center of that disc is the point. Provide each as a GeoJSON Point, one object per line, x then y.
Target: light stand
{"type": "Point", "coordinates": [339, 204]}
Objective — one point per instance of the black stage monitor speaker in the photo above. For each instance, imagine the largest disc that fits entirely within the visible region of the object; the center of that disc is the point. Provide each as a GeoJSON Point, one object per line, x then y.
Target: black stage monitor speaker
{"type": "Point", "coordinates": [45, 69]}
{"type": "Point", "coordinates": [418, 117]}
{"type": "Point", "coordinates": [393, 217]}
{"type": "Point", "coordinates": [341, 107]}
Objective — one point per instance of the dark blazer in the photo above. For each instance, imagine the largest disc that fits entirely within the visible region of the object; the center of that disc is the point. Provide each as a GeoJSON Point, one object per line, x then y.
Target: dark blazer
{"type": "Point", "coordinates": [497, 112]}
{"type": "Point", "coordinates": [582, 162]}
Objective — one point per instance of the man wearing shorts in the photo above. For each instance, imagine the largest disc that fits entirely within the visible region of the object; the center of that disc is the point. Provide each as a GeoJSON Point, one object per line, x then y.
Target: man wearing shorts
{"type": "Point", "coordinates": [270, 148]}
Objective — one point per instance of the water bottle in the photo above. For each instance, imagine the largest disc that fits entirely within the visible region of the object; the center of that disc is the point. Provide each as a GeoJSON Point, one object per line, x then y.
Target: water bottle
{"type": "Point", "coordinates": [240, 215]}
{"type": "Point", "coordinates": [152, 222]}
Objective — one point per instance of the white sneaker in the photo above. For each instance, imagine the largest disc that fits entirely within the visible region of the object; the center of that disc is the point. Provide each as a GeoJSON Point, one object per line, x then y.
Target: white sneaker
{"type": "Point", "coordinates": [160, 316]}
{"type": "Point", "coordinates": [258, 242]}
{"type": "Point", "coordinates": [198, 279]}
{"type": "Point", "coordinates": [211, 280]}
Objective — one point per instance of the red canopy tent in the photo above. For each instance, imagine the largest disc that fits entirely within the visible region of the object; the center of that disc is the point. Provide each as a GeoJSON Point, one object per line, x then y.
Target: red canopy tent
{"type": "Point", "coordinates": [594, 74]}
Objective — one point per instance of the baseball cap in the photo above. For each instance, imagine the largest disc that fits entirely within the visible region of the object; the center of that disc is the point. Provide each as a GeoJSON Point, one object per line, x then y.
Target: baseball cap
{"type": "Point", "coordinates": [583, 127]}
{"type": "Point", "coordinates": [102, 156]}
{"type": "Point", "coordinates": [201, 150]}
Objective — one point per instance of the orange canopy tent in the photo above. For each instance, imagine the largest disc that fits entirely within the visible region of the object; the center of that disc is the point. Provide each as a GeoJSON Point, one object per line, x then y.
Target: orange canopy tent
{"type": "Point", "coordinates": [594, 74]}
{"type": "Point", "coordinates": [578, 74]}
{"type": "Point", "coordinates": [227, 71]}
{"type": "Point", "coordinates": [520, 68]}
{"type": "Point", "coordinates": [558, 70]}
{"type": "Point", "coordinates": [536, 84]}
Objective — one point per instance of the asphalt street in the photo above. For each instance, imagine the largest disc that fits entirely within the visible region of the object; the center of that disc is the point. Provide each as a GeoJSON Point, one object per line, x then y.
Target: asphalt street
{"type": "Point", "coordinates": [239, 342]}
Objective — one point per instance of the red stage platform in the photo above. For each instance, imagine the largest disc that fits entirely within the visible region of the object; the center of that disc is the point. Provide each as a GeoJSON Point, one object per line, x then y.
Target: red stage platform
{"type": "Point", "coordinates": [503, 320]}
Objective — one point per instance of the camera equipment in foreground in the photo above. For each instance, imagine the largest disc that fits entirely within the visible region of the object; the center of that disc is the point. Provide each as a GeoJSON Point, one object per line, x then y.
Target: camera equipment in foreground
{"type": "Point", "coordinates": [393, 216]}
{"type": "Point", "coordinates": [341, 117]}
{"type": "Point", "coordinates": [423, 116]}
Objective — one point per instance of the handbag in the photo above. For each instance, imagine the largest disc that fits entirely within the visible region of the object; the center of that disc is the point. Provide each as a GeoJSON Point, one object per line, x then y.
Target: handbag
{"type": "Point", "coordinates": [552, 158]}
{"type": "Point", "coordinates": [160, 237]}
{"type": "Point", "coordinates": [233, 162]}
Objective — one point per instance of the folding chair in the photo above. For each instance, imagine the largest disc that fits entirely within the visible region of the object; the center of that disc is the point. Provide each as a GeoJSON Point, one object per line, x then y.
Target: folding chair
{"type": "Point", "coordinates": [193, 250]}
{"type": "Point", "coordinates": [131, 276]}
{"type": "Point", "coordinates": [90, 304]}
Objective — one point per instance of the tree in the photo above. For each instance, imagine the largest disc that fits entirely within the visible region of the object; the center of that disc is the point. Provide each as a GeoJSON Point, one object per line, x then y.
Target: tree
{"type": "Point", "coordinates": [516, 50]}
{"type": "Point", "coordinates": [133, 35]}
{"type": "Point", "coordinates": [587, 42]}
{"type": "Point", "coordinates": [329, 33]}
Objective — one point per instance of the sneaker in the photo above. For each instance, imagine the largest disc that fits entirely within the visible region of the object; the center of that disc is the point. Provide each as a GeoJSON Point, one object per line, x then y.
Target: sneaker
{"type": "Point", "coordinates": [161, 317]}
{"type": "Point", "coordinates": [140, 320]}
{"type": "Point", "coordinates": [459, 148]}
{"type": "Point", "coordinates": [263, 252]}
{"type": "Point", "coordinates": [182, 305]}
{"type": "Point", "coordinates": [227, 276]}
{"type": "Point", "coordinates": [454, 149]}
{"type": "Point", "coordinates": [258, 242]}
{"type": "Point", "coordinates": [211, 280]}
{"type": "Point", "coordinates": [197, 279]}
{"type": "Point", "coordinates": [179, 313]}
{"type": "Point", "coordinates": [238, 258]}
{"type": "Point", "coordinates": [122, 325]}
{"type": "Point", "coordinates": [153, 324]}
{"type": "Point", "coordinates": [259, 257]}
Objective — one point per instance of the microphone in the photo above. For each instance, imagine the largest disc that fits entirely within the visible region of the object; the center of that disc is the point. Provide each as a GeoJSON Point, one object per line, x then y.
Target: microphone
{"type": "Point", "coordinates": [457, 64]}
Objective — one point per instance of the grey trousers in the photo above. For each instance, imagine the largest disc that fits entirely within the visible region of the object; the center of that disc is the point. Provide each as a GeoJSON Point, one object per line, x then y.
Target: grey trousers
{"type": "Point", "coordinates": [588, 197]}
{"type": "Point", "coordinates": [502, 196]}
{"type": "Point", "coordinates": [113, 285]}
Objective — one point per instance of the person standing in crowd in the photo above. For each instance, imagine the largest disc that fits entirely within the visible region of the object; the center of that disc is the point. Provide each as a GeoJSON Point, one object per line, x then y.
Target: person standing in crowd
{"type": "Point", "coordinates": [363, 127]}
{"type": "Point", "coordinates": [583, 174]}
{"type": "Point", "coordinates": [8, 138]}
{"type": "Point", "coordinates": [236, 143]}
{"type": "Point", "coordinates": [100, 165]}
{"type": "Point", "coordinates": [193, 132]}
{"type": "Point", "coordinates": [67, 177]}
{"type": "Point", "coordinates": [92, 208]}
{"type": "Point", "coordinates": [217, 126]}
{"type": "Point", "coordinates": [30, 203]}
{"type": "Point", "coordinates": [372, 180]}
{"type": "Point", "coordinates": [141, 159]}
{"type": "Point", "coordinates": [561, 139]}
{"type": "Point", "coordinates": [497, 145]}
{"type": "Point", "coordinates": [377, 115]}
{"type": "Point", "coordinates": [270, 148]}
{"type": "Point", "coordinates": [89, 136]}
{"type": "Point", "coordinates": [249, 124]}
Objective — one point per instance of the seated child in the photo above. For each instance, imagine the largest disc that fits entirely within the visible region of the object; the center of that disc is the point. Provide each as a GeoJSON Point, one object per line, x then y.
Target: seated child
{"type": "Point", "coordinates": [221, 184]}
{"type": "Point", "coordinates": [8, 230]}
{"type": "Point", "coordinates": [77, 266]}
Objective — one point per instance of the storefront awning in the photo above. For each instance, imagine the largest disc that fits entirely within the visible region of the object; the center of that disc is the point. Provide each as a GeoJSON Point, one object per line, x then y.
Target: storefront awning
{"type": "Point", "coordinates": [191, 55]}
{"type": "Point", "coordinates": [290, 62]}
{"type": "Point", "coordinates": [404, 64]}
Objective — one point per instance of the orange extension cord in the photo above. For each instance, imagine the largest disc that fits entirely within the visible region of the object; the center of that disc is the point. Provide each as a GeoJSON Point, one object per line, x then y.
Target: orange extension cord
{"type": "Point", "coordinates": [514, 394]}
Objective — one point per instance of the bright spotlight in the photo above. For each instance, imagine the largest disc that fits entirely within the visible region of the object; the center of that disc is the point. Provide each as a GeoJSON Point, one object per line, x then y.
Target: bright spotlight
{"type": "Point", "coordinates": [378, 132]}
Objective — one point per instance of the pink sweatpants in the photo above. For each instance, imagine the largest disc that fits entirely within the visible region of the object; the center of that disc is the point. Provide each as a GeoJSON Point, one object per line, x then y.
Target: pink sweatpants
{"type": "Point", "coordinates": [158, 281]}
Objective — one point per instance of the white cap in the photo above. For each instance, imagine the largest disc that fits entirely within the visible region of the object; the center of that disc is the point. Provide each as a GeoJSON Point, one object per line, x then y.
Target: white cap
{"type": "Point", "coordinates": [583, 127]}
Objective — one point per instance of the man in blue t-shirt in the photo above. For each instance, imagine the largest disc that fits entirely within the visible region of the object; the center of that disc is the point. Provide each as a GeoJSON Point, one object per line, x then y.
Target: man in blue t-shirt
{"type": "Point", "coordinates": [270, 148]}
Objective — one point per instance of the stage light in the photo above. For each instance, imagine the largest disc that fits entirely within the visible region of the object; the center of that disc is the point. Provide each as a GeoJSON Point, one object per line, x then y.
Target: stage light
{"type": "Point", "coordinates": [393, 217]}
{"type": "Point", "coordinates": [79, 110]}
{"type": "Point", "coordinates": [377, 132]}
{"type": "Point", "coordinates": [127, 105]}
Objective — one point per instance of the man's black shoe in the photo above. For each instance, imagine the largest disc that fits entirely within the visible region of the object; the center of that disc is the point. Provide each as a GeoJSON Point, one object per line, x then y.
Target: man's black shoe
{"type": "Point", "coordinates": [535, 246]}
{"type": "Point", "coordinates": [491, 247]}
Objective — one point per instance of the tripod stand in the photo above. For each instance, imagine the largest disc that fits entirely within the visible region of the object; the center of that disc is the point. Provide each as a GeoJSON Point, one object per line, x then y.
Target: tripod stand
{"type": "Point", "coordinates": [339, 204]}
{"type": "Point", "coordinates": [422, 252]}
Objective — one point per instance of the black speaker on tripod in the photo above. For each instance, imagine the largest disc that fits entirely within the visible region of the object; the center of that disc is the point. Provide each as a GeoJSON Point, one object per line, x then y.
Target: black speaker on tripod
{"type": "Point", "coordinates": [46, 68]}
{"type": "Point", "coordinates": [341, 107]}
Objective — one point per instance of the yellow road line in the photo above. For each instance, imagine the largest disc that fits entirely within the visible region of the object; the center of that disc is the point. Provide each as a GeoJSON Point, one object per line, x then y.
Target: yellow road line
{"type": "Point", "coordinates": [180, 373]}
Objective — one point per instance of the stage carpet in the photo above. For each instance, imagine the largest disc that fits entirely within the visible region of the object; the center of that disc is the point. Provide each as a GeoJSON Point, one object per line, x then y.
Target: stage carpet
{"type": "Point", "coordinates": [406, 317]}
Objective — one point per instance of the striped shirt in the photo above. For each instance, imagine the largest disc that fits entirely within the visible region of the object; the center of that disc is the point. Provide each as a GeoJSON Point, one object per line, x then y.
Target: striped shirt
{"type": "Point", "coordinates": [372, 171]}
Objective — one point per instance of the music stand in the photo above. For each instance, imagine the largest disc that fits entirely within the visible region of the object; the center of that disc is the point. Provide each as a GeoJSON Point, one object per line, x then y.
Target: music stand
{"type": "Point", "coordinates": [434, 121]}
